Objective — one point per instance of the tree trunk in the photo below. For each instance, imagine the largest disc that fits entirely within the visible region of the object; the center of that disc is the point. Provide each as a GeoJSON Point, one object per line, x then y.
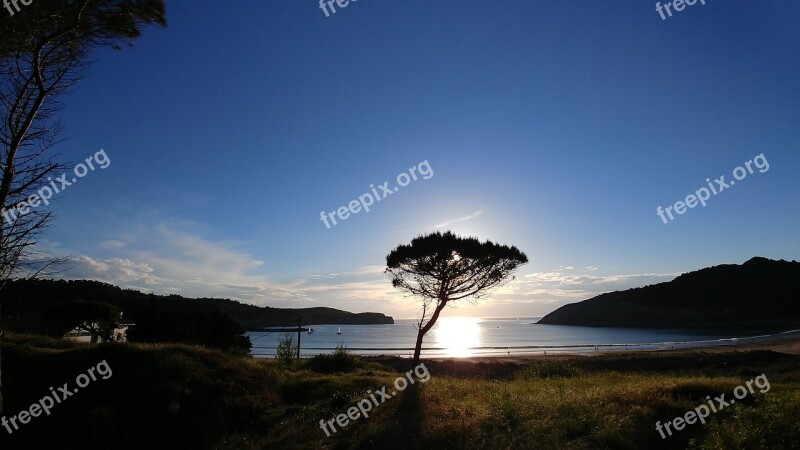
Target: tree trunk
{"type": "Point", "coordinates": [418, 348]}
{"type": "Point", "coordinates": [1, 361]}
{"type": "Point", "coordinates": [426, 328]}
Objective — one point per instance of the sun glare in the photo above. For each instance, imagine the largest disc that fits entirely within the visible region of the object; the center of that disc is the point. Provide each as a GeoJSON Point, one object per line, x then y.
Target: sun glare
{"type": "Point", "coordinates": [456, 335]}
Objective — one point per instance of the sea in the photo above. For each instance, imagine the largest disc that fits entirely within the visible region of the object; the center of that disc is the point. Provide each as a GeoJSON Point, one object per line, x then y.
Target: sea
{"type": "Point", "coordinates": [461, 337]}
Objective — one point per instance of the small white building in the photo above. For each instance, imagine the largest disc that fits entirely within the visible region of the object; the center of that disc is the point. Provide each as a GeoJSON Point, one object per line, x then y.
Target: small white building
{"type": "Point", "coordinates": [80, 333]}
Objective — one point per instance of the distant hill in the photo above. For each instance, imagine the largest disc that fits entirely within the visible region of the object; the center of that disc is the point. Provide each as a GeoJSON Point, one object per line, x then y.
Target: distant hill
{"type": "Point", "coordinates": [24, 300]}
{"type": "Point", "coordinates": [760, 294]}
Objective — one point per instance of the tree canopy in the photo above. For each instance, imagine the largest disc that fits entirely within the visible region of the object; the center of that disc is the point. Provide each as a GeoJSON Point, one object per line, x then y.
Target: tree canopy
{"type": "Point", "coordinates": [44, 51]}
{"type": "Point", "coordinates": [97, 318]}
{"type": "Point", "coordinates": [443, 267]}
{"type": "Point", "coordinates": [165, 321]}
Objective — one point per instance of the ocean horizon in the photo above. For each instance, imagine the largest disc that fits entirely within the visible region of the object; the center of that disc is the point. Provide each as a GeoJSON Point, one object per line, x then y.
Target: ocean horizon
{"type": "Point", "coordinates": [460, 337]}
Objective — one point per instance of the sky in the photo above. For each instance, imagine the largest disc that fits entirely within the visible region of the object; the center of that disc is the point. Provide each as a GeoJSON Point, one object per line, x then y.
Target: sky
{"type": "Point", "coordinates": [558, 127]}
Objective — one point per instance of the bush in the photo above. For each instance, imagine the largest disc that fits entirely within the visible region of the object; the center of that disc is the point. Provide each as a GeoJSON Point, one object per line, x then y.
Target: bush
{"type": "Point", "coordinates": [287, 349]}
{"type": "Point", "coordinates": [339, 361]}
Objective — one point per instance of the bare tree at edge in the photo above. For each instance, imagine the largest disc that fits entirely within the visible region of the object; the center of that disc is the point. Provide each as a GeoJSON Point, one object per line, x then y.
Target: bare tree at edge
{"type": "Point", "coordinates": [44, 50]}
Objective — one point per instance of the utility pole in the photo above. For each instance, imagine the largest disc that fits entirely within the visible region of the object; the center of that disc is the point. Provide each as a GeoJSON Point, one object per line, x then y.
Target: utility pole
{"type": "Point", "coordinates": [298, 338]}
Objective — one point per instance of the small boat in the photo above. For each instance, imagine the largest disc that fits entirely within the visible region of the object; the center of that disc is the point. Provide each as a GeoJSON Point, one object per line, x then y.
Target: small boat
{"type": "Point", "coordinates": [310, 330]}
{"type": "Point", "coordinates": [338, 331]}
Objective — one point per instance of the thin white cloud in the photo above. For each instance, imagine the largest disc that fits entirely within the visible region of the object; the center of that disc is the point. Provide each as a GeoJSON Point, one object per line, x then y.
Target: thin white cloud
{"type": "Point", "coordinates": [460, 219]}
{"type": "Point", "coordinates": [589, 285]}
{"type": "Point", "coordinates": [367, 270]}
{"type": "Point", "coordinates": [112, 244]}
{"type": "Point", "coordinates": [169, 261]}
{"type": "Point", "coordinates": [114, 270]}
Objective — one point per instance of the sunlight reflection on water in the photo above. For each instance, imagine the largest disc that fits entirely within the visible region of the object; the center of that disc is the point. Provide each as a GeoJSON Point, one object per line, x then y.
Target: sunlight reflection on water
{"type": "Point", "coordinates": [457, 335]}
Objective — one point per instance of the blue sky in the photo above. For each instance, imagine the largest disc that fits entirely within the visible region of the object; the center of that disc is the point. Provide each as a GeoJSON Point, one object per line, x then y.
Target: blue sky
{"type": "Point", "coordinates": [555, 126]}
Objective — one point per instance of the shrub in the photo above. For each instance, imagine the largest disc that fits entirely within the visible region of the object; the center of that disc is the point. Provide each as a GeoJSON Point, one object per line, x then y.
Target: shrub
{"type": "Point", "coordinates": [287, 349]}
{"type": "Point", "coordinates": [340, 360]}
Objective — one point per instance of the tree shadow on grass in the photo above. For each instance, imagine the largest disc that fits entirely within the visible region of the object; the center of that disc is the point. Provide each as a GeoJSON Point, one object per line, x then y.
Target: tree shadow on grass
{"type": "Point", "coordinates": [404, 430]}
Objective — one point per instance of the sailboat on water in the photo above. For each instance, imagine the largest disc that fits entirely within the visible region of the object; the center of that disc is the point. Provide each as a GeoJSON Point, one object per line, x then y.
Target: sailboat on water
{"type": "Point", "coordinates": [338, 330]}
{"type": "Point", "coordinates": [310, 330]}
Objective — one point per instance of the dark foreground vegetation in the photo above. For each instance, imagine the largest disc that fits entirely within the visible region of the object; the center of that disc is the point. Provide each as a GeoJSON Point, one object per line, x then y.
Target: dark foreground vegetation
{"type": "Point", "coordinates": [178, 396]}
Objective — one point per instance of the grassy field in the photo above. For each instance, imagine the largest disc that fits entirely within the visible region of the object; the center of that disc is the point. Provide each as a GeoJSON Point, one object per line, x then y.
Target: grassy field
{"type": "Point", "coordinates": [173, 396]}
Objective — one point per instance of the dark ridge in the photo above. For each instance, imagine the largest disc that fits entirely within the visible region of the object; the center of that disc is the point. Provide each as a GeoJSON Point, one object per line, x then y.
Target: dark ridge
{"type": "Point", "coordinates": [759, 295]}
{"type": "Point", "coordinates": [24, 301]}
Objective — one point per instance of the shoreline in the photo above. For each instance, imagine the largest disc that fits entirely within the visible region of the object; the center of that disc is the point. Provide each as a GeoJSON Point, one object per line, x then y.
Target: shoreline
{"type": "Point", "coordinates": [787, 342]}
{"type": "Point", "coordinates": [784, 342]}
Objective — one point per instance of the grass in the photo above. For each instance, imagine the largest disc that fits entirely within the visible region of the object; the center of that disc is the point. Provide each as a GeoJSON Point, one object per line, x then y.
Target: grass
{"type": "Point", "coordinates": [158, 396]}
{"type": "Point", "coordinates": [191, 397]}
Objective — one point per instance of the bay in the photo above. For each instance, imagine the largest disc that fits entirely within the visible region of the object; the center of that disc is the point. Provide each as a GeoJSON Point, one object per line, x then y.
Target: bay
{"type": "Point", "coordinates": [468, 337]}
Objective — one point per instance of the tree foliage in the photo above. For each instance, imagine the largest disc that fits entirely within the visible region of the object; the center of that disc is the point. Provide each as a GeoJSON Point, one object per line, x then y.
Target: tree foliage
{"type": "Point", "coordinates": [166, 321]}
{"type": "Point", "coordinates": [442, 268]}
{"type": "Point", "coordinates": [97, 318]}
{"type": "Point", "coordinates": [44, 49]}
{"type": "Point", "coordinates": [287, 349]}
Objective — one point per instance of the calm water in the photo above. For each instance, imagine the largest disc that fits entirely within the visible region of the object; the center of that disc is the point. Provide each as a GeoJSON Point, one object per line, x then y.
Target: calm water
{"type": "Point", "coordinates": [463, 337]}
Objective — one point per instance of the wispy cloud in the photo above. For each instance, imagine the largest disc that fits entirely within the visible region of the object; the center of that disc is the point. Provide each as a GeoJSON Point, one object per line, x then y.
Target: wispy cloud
{"type": "Point", "coordinates": [114, 270]}
{"type": "Point", "coordinates": [367, 270]}
{"type": "Point", "coordinates": [167, 259]}
{"type": "Point", "coordinates": [113, 244]}
{"type": "Point", "coordinates": [556, 284]}
{"type": "Point", "coordinates": [460, 219]}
